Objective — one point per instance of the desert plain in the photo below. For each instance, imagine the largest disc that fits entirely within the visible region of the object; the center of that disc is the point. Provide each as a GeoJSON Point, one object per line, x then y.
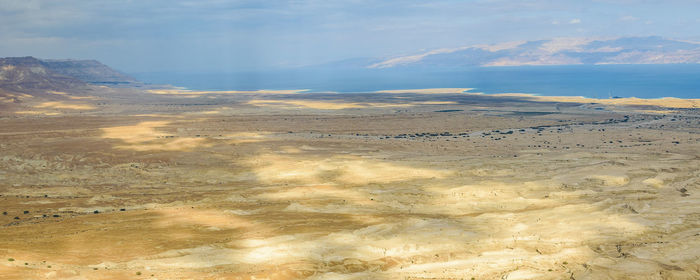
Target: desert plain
{"type": "Point", "coordinates": [413, 184]}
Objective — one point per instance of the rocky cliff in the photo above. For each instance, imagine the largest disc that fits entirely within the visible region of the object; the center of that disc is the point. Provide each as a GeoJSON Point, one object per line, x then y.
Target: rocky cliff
{"type": "Point", "coordinates": [29, 74]}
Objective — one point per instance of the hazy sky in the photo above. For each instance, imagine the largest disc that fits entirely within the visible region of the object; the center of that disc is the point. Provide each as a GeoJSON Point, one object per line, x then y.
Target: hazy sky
{"type": "Point", "coordinates": [216, 35]}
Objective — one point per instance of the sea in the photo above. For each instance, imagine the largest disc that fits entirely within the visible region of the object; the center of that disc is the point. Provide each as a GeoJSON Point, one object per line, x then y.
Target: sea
{"type": "Point", "coordinates": [596, 81]}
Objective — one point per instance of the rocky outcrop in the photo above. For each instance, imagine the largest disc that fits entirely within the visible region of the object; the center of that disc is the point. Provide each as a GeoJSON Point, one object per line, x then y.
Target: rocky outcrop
{"type": "Point", "coordinates": [29, 74]}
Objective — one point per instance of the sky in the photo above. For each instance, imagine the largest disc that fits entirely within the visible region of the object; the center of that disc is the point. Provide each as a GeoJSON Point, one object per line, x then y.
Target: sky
{"type": "Point", "coordinates": [241, 35]}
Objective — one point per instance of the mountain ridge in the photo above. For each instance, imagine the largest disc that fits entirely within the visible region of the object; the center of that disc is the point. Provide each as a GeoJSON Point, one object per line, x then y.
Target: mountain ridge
{"type": "Point", "coordinates": [30, 74]}
{"type": "Point", "coordinates": [557, 51]}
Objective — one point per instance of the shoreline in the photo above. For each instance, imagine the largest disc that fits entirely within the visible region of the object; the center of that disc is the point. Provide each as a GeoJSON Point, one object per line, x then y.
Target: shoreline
{"type": "Point", "coordinates": [666, 102]}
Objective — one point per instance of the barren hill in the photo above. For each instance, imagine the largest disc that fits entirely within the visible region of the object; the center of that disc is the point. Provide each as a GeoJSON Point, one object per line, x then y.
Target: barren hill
{"type": "Point", "coordinates": [29, 75]}
{"type": "Point", "coordinates": [90, 71]}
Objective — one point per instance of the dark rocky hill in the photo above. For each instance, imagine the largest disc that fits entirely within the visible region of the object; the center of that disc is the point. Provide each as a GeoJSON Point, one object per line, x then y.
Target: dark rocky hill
{"type": "Point", "coordinates": [90, 71]}
{"type": "Point", "coordinates": [29, 74]}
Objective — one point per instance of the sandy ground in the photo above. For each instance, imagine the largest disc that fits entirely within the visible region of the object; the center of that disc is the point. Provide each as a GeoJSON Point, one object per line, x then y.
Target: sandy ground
{"type": "Point", "coordinates": [118, 184]}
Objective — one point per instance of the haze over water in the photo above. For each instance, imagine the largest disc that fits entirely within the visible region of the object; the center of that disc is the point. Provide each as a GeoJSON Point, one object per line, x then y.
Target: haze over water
{"type": "Point", "coordinates": [598, 81]}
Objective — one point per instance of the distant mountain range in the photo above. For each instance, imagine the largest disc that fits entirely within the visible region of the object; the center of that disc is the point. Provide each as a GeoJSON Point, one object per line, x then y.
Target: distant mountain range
{"type": "Point", "coordinates": [33, 75]}
{"type": "Point", "coordinates": [561, 51]}
{"type": "Point", "coordinates": [22, 74]}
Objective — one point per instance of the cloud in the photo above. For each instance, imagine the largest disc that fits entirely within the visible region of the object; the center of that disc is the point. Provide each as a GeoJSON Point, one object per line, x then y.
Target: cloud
{"type": "Point", "coordinates": [242, 34]}
{"type": "Point", "coordinates": [629, 18]}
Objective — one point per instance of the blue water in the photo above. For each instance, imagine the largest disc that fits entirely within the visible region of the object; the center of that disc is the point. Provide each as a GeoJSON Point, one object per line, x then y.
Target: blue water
{"type": "Point", "coordinates": [601, 81]}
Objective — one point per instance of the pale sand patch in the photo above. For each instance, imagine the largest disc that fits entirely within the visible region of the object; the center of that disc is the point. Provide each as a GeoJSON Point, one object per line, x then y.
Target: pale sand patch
{"type": "Point", "coordinates": [84, 98]}
{"type": "Point", "coordinates": [353, 196]}
{"type": "Point", "coordinates": [144, 131]}
{"type": "Point", "coordinates": [558, 237]}
{"type": "Point", "coordinates": [434, 103]}
{"type": "Point", "coordinates": [611, 180]}
{"type": "Point", "coordinates": [240, 212]}
{"type": "Point", "coordinates": [38, 112]}
{"type": "Point", "coordinates": [157, 115]}
{"type": "Point", "coordinates": [145, 137]}
{"type": "Point", "coordinates": [308, 104]}
{"type": "Point", "coordinates": [244, 137]}
{"type": "Point", "coordinates": [337, 105]}
{"type": "Point", "coordinates": [658, 112]}
{"type": "Point", "coordinates": [218, 111]}
{"type": "Point", "coordinates": [64, 105]}
{"type": "Point", "coordinates": [669, 102]}
{"type": "Point", "coordinates": [372, 242]}
{"type": "Point", "coordinates": [479, 198]}
{"type": "Point", "coordinates": [102, 198]}
{"type": "Point", "coordinates": [182, 144]}
{"type": "Point", "coordinates": [427, 90]}
{"type": "Point", "coordinates": [654, 182]}
{"type": "Point", "coordinates": [18, 96]}
{"type": "Point", "coordinates": [39, 202]}
{"type": "Point", "coordinates": [201, 217]}
{"type": "Point", "coordinates": [342, 169]}
{"type": "Point", "coordinates": [290, 150]}
{"type": "Point", "coordinates": [191, 92]}
{"type": "Point", "coordinates": [51, 191]}
{"type": "Point", "coordinates": [73, 97]}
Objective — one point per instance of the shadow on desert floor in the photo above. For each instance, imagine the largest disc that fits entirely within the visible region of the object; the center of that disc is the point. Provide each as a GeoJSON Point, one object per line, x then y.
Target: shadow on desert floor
{"type": "Point", "coordinates": [245, 204]}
